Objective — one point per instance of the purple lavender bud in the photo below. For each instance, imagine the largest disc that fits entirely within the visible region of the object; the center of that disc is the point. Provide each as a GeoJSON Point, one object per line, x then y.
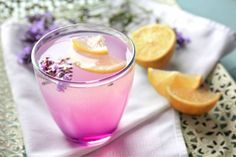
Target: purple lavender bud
{"type": "Point", "coordinates": [61, 69]}
{"type": "Point", "coordinates": [49, 19]}
{"type": "Point", "coordinates": [24, 56]}
{"type": "Point", "coordinates": [40, 25]}
{"type": "Point", "coordinates": [187, 40]}
{"type": "Point", "coordinates": [55, 67]}
{"type": "Point", "coordinates": [44, 67]}
{"type": "Point", "coordinates": [51, 27]}
{"type": "Point", "coordinates": [67, 77]}
{"type": "Point", "coordinates": [181, 40]}
{"type": "Point", "coordinates": [61, 86]}
{"type": "Point", "coordinates": [38, 36]}
{"type": "Point", "coordinates": [33, 18]}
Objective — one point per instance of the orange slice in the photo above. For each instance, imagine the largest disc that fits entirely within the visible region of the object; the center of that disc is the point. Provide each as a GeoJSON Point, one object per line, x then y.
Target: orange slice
{"type": "Point", "coordinates": [94, 45]}
{"type": "Point", "coordinates": [154, 45]}
{"type": "Point", "coordinates": [161, 79]}
{"type": "Point", "coordinates": [192, 101]}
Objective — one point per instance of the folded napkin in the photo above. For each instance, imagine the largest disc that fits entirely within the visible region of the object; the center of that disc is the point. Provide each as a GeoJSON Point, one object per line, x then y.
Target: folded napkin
{"type": "Point", "coordinates": [43, 138]}
{"type": "Point", "coordinates": [149, 127]}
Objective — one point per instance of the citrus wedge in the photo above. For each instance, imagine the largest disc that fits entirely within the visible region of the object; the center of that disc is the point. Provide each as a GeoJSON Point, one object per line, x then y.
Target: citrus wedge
{"type": "Point", "coordinates": [192, 81]}
{"type": "Point", "coordinates": [192, 101]}
{"type": "Point", "coordinates": [161, 79]}
{"type": "Point", "coordinates": [101, 64]}
{"type": "Point", "coordinates": [94, 45]}
{"type": "Point", "coordinates": [154, 45]}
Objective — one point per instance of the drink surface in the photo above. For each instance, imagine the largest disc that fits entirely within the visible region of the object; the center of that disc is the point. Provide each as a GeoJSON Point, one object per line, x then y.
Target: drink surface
{"type": "Point", "coordinates": [62, 48]}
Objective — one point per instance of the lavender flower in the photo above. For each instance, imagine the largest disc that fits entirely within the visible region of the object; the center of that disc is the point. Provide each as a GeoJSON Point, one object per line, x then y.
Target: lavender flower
{"type": "Point", "coordinates": [61, 86]}
{"type": "Point", "coordinates": [24, 56]}
{"type": "Point", "coordinates": [61, 69]}
{"type": "Point", "coordinates": [40, 25]}
{"type": "Point", "coordinates": [181, 40]}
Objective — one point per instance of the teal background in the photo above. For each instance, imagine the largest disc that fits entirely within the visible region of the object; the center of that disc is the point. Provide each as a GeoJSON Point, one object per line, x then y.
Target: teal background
{"type": "Point", "coordinates": [221, 11]}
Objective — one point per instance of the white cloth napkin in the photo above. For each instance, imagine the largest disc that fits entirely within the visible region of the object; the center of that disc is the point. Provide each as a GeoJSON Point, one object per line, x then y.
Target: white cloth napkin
{"type": "Point", "coordinates": [149, 127]}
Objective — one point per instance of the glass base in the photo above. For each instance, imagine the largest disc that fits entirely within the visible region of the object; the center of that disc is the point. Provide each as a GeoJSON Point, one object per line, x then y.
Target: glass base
{"type": "Point", "coordinates": [91, 141]}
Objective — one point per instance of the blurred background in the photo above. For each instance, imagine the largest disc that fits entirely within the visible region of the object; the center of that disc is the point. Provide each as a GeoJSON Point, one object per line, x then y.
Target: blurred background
{"type": "Point", "coordinates": [222, 11]}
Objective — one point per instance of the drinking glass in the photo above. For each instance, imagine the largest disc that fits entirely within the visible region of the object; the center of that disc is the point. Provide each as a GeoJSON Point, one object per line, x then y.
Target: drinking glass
{"type": "Point", "coordinates": [87, 112]}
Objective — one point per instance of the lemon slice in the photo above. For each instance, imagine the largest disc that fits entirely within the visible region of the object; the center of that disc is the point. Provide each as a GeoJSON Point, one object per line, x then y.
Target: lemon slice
{"type": "Point", "coordinates": [94, 45]}
{"type": "Point", "coordinates": [103, 65]}
{"type": "Point", "coordinates": [161, 79]}
{"type": "Point", "coordinates": [192, 101]}
{"type": "Point", "coordinates": [154, 45]}
{"type": "Point", "coordinates": [98, 64]}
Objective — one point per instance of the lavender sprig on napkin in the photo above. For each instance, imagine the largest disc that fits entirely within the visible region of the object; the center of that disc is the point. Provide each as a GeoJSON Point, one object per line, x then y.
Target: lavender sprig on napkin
{"type": "Point", "coordinates": [181, 40]}
{"type": "Point", "coordinates": [40, 24]}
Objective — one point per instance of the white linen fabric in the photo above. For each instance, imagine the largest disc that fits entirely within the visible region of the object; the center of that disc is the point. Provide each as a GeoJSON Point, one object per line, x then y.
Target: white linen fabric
{"type": "Point", "coordinates": [149, 127]}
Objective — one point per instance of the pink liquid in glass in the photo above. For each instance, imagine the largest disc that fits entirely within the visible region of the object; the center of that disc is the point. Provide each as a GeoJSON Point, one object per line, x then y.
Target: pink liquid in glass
{"type": "Point", "coordinates": [89, 113]}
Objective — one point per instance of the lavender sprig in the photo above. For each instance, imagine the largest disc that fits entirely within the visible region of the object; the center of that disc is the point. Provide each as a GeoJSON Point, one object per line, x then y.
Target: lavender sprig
{"type": "Point", "coordinates": [181, 40]}
{"type": "Point", "coordinates": [61, 69]}
{"type": "Point", "coordinates": [40, 25]}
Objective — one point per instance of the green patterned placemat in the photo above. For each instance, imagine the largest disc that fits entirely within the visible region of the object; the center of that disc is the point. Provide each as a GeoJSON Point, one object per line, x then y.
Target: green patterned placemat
{"type": "Point", "coordinates": [214, 134]}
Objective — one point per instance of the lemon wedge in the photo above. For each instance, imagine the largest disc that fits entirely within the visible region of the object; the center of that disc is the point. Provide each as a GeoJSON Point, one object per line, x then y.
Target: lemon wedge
{"type": "Point", "coordinates": [192, 101]}
{"type": "Point", "coordinates": [161, 79]}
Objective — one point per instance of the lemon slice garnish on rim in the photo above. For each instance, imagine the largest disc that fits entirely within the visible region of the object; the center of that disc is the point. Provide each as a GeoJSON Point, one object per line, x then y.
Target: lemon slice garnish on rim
{"type": "Point", "coordinates": [94, 45]}
{"type": "Point", "coordinates": [102, 65]}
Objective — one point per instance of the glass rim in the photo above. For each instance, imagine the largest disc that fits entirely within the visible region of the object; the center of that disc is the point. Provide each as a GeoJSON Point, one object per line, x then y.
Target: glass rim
{"type": "Point", "coordinates": [97, 82]}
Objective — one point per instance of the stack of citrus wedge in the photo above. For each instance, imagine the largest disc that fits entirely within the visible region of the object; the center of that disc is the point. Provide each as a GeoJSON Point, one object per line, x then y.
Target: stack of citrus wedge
{"type": "Point", "coordinates": [161, 79]}
{"type": "Point", "coordinates": [95, 57]}
{"type": "Point", "coordinates": [183, 91]}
